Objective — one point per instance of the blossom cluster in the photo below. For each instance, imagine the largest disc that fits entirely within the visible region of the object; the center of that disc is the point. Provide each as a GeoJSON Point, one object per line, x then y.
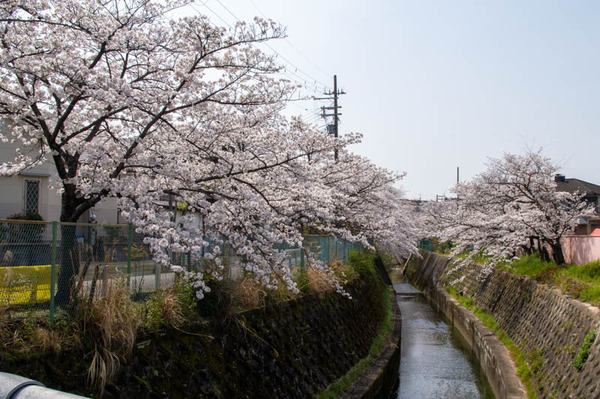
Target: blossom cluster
{"type": "Point", "coordinates": [511, 208]}
{"type": "Point", "coordinates": [132, 103]}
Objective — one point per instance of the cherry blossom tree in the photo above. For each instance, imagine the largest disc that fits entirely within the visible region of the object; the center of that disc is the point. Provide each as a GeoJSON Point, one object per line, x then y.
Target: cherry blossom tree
{"type": "Point", "coordinates": [129, 102]}
{"type": "Point", "coordinates": [509, 208]}
{"type": "Point", "coordinates": [368, 204]}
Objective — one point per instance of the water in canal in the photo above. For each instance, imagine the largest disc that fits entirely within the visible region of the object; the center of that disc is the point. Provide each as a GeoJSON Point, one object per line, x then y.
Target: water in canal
{"type": "Point", "coordinates": [436, 361]}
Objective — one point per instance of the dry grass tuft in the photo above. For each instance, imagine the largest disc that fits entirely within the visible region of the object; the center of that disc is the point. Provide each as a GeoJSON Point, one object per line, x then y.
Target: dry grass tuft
{"type": "Point", "coordinates": [48, 341]}
{"type": "Point", "coordinates": [249, 293]}
{"type": "Point", "coordinates": [318, 281]}
{"type": "Point", "coordinates": [111, 320]}
{"type": "Point", "coordinates": [104, 365]}
{"type": "Point", "coordinates": [164, 308]}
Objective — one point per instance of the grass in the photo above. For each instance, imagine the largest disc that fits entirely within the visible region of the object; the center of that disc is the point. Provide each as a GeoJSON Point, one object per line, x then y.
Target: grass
{"type": "Point", "coordinates": [584, 350]}
{"type": "Point", "coordinates": [523, 368]}
{"type": "Point", "coordinates": [339, 387]}
{"type": "Point", "coordinates": [580, 282]}
{"type": "Point", "coordinates": [532, 266]}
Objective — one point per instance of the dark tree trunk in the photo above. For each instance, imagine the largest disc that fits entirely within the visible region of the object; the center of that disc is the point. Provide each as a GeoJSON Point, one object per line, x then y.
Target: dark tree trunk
{"type": "Point", "coordinates": [557, 253]}
{"type": "Point", "coordinates": [531, 247]}
{"type": "Point", "coordinates": [69, 264]}
{"type": "Point", "coordinates": [69, 257]}
{"type": "Point", "coordinates": [545, 255]}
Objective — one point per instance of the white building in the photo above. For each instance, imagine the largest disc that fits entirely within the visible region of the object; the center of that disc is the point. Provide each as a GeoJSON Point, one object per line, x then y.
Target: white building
{"type": "Point", "coordinates": [36, 190]}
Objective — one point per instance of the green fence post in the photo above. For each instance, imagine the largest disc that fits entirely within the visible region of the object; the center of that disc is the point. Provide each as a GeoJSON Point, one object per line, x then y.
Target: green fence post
{"type": "Point", "coordinates": [53, 272]}
{"type": "Point", "coordinates": [129, 245]}
{"type": "Point", "coordinates": [302, 268]}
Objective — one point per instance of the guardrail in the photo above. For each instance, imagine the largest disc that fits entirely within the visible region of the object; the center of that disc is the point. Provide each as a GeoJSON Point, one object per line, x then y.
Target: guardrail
{"type": "Point", "coordinates": [14, 386]}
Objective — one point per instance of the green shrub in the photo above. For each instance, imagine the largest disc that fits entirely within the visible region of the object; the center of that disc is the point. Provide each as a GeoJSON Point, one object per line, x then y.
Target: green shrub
{"type": "Point", "coordinates": [173, 307]}
{"type": "Point", "coordinates": [363, 262]}
{"type": "Point", "coordinates": [589, 271]}
{"type": "Point", "coordinates": [26, 216]}
{"type": "Point", "coordinates": [217, 303]}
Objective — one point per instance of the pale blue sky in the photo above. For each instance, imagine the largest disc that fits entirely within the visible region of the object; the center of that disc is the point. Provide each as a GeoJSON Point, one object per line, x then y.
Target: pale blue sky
{"type": "Point", "coordinates": [434, 85]}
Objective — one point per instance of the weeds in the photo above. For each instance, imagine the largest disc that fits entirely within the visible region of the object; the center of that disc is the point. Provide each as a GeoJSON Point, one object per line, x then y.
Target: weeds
{"type": "Point", "coordinates": [584, 350]}
{"type": "Point", "coordinates": [534, 267]}
{"type": "Point", "coordinates": [579, 281]}
{"type": "Point", "coordinates": [104, 322]}
{"type": "Point", "coordinates": [249, 293]}
{"type": "Point", "coordinates": [111, 323]}
{"type": "Point", "coordinates": [172, 307]}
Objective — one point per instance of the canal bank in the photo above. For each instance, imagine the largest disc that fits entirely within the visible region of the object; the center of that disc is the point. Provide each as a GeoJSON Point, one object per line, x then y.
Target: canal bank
{"type": "Point", "coordinates": [380, 378]}
{"type": "Point", "coordinates": [436, 361]}
{"type": "Point", "coordinates": [290, 348]}
{"type": "Point", "coordinates": [550, 329]}
{"type": "Point", "coordinates": [492, 356]}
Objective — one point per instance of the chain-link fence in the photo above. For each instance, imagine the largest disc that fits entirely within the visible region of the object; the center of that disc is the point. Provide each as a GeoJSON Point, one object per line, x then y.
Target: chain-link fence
{"type": "Point", "coordinates": [45, 264]}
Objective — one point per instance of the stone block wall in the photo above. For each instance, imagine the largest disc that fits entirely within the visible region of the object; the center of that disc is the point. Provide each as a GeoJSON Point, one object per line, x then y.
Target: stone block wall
{"type": "Point", "coordinates": [291, 349]}
{"type": "Point", "coordinates": [548, 327]}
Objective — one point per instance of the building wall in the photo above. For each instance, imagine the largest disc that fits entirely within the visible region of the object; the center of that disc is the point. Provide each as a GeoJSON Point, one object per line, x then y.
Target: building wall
{"type": "Point", "coordinates": [12, 189]}
{"type": "Point", "coordinates": [580, 249]}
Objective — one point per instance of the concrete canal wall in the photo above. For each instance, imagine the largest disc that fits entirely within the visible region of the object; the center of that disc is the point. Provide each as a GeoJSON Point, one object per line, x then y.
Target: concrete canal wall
{"type": "Point", "coordinates": [381, 377]}
{"type": "Point", "coordinates": [548, 328]}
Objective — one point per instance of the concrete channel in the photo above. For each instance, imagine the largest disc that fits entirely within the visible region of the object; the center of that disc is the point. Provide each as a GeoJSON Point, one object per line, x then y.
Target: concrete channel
{"type": "Point", "coordinates": [436, 361]}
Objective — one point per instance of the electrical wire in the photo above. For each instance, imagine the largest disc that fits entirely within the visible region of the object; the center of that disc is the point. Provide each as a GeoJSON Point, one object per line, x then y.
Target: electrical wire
{"type": "Point", "coordinates": [310, 77]}
{"type": "Point", "coordinates": [294, 76]}
{"type": "Point", "coordinates": [325, 73]}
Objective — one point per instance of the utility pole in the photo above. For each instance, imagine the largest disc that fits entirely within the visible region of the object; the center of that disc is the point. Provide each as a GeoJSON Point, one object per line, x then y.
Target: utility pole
{"type": "Point", "coordinates": [333, 95]}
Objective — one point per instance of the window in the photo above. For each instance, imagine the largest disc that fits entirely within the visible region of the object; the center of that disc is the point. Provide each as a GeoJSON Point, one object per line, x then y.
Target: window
{"type": "Point", "coordinates": [32, 196]}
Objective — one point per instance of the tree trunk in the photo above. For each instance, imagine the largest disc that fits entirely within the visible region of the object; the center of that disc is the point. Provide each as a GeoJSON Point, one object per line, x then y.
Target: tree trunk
{"type": "Point", "coordinates": [531, 246]}
{"type": "Point", "coordinates": [557, 253]}
{"type": "Point", "coordinates": [545, 255]}
{"type": "Point", "coordinates": [69, 264]}
{"type": "Point", "coordinates": [69, 256]}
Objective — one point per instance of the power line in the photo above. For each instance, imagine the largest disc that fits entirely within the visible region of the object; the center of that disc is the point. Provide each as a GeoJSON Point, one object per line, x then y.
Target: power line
{"type": "Point", "coordinates": [292, 75]}
{"type": "Point", "coordinates": [307, 83]}
{"type": "Point", "coordinates": [269, 46]}
{"type": "Point", "coordinates": [227, 9]}
{"type": "Point", "coordinates": [211, 10]}
{"type": "Point", "coordinates": [294, 47]}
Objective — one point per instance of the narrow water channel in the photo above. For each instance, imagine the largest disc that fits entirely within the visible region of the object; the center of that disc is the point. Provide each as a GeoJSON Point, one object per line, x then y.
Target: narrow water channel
{"type": "Point", "coordinates": [436, 361]}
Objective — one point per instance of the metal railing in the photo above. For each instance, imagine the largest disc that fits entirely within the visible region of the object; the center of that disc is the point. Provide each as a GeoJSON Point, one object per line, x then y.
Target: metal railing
{"type": "Point", "coordinates": [14, 386]}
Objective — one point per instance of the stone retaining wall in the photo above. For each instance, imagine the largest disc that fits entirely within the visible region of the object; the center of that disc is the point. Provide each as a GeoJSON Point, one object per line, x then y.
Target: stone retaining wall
{"type": "Point", "coordinates": [381, 377]}
{"type": "Point", "coordinates": [547, 327]}
{"type": "Point", "coordinates": [291, 349]}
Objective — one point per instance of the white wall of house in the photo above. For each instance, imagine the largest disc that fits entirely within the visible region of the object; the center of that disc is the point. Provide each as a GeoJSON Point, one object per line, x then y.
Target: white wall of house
{"type": "Point", "coordinates": [18, 193]}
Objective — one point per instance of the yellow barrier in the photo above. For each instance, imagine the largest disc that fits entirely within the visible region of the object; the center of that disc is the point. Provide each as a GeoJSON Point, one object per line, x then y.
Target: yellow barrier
{"type": "Point", "coordinates": [22, 285]}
